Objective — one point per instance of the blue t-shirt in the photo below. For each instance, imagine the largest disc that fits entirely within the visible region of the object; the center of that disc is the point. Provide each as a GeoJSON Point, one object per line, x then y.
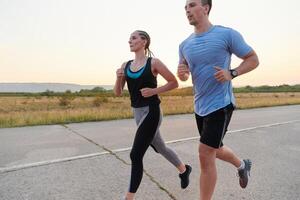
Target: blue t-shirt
{"type": "Point", "coordinates": [204, 51]}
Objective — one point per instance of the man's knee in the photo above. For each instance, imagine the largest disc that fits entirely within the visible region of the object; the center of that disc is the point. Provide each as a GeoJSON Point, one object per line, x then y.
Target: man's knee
{"type": "Point", "coordinates": [207, 155]}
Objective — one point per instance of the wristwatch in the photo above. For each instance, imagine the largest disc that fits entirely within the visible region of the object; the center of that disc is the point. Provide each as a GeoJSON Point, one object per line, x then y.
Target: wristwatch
{"type": "Point", "coordinates": [233, 73]}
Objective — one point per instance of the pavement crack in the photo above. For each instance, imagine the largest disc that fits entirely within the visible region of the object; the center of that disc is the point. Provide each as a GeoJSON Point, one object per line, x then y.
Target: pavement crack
{"type": "Point", "coordinates": [159, 185]}
{"type": "Point", "coordinates": [98, 145]}
{"type": "Point", "coordinates": [152, 179]}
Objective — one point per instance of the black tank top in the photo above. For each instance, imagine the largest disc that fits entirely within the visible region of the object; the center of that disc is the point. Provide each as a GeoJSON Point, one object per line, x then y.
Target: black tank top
{"type": "Point", "coordinates": [145, 80]}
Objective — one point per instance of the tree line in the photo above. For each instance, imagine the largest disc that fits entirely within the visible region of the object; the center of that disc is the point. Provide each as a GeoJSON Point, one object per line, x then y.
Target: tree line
{"type": "Point", "coordinates": [186, 91]}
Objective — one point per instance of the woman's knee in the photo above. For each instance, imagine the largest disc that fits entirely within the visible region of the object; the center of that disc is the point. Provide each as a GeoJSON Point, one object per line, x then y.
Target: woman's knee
{"type": "Point", "coordinates": [135, 157]}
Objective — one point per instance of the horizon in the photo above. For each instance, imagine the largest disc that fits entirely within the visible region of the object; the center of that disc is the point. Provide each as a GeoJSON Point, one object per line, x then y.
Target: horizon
{"type": "Point", "coordinates": [79, 43]}
{"type": "Point", "coordinates": [180, 86]}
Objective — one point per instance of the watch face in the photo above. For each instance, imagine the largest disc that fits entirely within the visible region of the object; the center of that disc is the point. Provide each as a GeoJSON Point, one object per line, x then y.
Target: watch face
{"type": "Point", "coordinates": [233, 73]}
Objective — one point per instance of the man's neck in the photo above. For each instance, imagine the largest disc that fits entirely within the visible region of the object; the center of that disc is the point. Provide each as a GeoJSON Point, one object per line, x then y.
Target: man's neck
{"type": "Point", "coordinates": [203, 27]}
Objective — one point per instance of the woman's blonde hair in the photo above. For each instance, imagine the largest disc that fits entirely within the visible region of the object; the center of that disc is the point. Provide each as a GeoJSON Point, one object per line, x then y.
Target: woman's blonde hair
{"type": "Point", "coordinates": [145, 36]}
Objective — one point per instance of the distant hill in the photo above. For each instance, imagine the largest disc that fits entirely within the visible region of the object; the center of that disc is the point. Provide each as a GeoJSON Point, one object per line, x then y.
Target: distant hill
{"type": "Point", "coordinates": [42, 87]}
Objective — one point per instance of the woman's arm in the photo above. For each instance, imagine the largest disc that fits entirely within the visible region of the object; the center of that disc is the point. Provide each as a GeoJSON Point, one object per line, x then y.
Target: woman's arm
{"type": "Point", "coordinates": [159, 68]}
{"type": "Point", "coordinates": [120, 81]}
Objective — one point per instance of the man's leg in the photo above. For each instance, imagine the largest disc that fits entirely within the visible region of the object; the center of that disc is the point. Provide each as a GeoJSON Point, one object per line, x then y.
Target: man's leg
{"type": "Point", "coordinates": [226, 154]}
{"type": "Point", "coordinates": [212, 129]}
{"type": "Point", "coordinates": [243, 166]}
{"type": "Point", "coordinates": [208, 173]}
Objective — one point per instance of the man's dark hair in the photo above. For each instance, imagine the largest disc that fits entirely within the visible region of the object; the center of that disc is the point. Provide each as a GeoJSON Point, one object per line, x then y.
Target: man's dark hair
{"type": "Point", "coordinates": [207, 2]}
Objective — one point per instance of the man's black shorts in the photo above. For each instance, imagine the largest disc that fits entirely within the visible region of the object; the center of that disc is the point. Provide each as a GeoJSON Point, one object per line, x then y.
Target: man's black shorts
{"type": "Point", "coordinates": [212, 127]}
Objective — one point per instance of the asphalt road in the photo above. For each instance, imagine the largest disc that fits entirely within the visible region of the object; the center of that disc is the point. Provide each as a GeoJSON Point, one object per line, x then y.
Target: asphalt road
{"type": "Point", "coordinates": [90, 161]}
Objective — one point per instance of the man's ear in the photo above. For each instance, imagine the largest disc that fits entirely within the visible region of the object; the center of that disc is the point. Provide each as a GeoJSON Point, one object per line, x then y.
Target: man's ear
{"type": "Point", "coordinates": [206, 7]}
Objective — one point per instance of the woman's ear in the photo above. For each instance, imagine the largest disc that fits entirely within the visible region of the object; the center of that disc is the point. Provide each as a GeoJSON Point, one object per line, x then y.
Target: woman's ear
{"type": "Point", "coordinates": [144, 43]}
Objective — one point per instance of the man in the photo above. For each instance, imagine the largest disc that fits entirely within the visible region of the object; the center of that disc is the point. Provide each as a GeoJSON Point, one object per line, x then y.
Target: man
{"type": "Point", "coordinates": [206, 54]}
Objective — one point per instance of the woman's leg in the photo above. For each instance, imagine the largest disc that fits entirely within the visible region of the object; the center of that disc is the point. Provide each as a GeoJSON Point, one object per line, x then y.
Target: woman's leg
{"type": "Point", "coordinates": [159, 146]}
{"type": "Point", "coordinates": [142, 141]}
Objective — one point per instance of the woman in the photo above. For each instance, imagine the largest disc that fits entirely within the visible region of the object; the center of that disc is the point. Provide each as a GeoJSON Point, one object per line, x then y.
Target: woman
{"type": "Point", "coordinates": [140, 75]}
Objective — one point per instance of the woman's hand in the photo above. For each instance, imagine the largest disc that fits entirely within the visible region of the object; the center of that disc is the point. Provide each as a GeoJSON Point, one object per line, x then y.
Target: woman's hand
{"type": "Point", "coordinates": [120, 81]}
{"type": "Point", "coordinates": [147, 92]}
{"type": "Point", "coordinates": [120, 73]}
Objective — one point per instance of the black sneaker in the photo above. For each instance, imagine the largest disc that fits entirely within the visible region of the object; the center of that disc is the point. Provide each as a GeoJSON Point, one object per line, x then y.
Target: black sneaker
{"type": "Point", "coordinates": [245, 173]}
{"type": "Point", "coordinates": [184, 177]}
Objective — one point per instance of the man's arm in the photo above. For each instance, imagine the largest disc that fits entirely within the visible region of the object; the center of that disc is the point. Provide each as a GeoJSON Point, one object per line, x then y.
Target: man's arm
{"type": "Point", "coordinates": [183, 71]}
{"type": "Point", "coordinates": [250, 62]}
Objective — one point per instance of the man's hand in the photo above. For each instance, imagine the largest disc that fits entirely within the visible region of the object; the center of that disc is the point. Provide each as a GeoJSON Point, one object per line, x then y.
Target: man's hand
{"type": "Point", "coordinates": [222, 75]}
{"type": "Point", "coordinates": [183, 72]}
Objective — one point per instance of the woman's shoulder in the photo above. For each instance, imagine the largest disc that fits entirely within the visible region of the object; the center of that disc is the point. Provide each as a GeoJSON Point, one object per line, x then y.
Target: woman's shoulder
{"type": "Point", "coordinates": [157, 64]}
{"type": "Point", "coordinates": [155, 61]}
{"type": "Point", "coordinates": [124, 64]}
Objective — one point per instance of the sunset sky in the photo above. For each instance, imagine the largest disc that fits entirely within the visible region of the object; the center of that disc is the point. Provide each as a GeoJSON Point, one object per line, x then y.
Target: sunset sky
{"type": "Point", "coordinates": [85, 41]}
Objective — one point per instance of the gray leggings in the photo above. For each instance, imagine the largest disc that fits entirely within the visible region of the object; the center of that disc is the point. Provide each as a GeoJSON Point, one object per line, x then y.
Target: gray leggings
{"type": "Point", "coordinates": [157, 143]}
{"type": "Point", "coordinates": [147, 134]}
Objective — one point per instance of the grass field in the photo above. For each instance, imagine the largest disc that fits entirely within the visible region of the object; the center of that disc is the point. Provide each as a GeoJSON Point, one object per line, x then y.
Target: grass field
{"type": "Point", "coordinates": [28, 111]}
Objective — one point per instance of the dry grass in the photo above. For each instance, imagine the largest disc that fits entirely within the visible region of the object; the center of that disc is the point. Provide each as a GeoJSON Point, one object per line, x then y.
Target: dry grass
{"type": "Point", "coordinates": [26, 111]}
{"type": "Point", "coordinates": [254, 100]}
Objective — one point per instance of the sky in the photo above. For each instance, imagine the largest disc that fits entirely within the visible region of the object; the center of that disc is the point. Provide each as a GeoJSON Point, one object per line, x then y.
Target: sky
{"type": "Point", "coordinates": [85, 41]}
